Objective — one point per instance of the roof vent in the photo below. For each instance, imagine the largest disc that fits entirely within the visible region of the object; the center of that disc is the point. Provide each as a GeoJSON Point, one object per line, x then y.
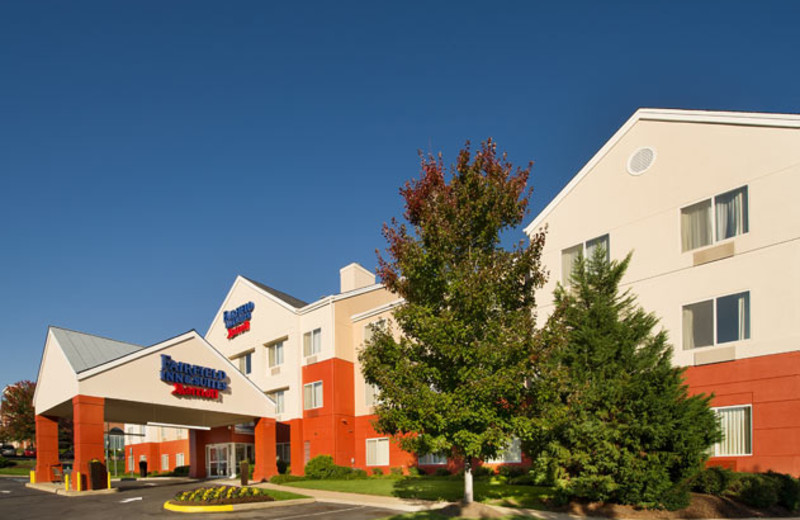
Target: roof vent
{"type": "Point", "coordinates": [641, 160]}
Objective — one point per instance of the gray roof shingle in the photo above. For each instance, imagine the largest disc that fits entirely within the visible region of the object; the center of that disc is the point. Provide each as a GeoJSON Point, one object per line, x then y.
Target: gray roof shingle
{"type": "Point", "coordinates": [291, 300]}
{"type": "Point", "coordinates": [85, 351]}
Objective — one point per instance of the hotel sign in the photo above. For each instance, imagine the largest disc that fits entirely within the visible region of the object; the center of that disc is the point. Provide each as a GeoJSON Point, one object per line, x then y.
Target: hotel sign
{"type": "Point", "coordinates": [237, 321]}
{"type": "Point", "coordinates": [192, 380]}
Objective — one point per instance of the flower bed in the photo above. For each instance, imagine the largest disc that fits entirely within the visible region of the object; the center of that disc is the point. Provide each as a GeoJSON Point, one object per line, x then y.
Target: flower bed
{"type": "Point", "coordinates": [222, 495]}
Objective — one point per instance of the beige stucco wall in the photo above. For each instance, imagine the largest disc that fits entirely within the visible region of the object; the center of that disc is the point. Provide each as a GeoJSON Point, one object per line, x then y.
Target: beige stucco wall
{"type": "Point", "coordinates": [57, 381]}
{"type": "Point", "coordinates": [694, 162]}
{"type": "Point", "coordinates": [345, 308]}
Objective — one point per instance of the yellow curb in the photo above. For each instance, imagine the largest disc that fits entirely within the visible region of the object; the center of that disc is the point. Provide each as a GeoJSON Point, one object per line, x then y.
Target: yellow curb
{"type": "Point", "coordinates": [247, 506]}
{"type": "Point", "coordinates": [169, 506]}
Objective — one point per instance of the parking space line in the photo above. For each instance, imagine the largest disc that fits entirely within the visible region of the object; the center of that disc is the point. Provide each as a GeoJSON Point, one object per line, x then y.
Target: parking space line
{"type": "Point", "coordinates": [321, 513]}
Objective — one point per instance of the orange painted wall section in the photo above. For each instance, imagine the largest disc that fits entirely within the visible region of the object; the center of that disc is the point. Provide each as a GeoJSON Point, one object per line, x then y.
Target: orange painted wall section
{"type": "Point", "coordinates": [264, 440]}
{"type": "Point", "coordinates": [154, 450]}
{"type": "Point", "coordinates": [330, 429]}
{"type": "Point", "coordinates": [771, 384]}
{"type": "Point", "coordinates": [397, 457]}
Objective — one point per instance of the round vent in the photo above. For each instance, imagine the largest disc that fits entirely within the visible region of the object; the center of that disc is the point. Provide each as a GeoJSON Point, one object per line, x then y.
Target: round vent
{"type": "Point", "coordinates": [641, 160]}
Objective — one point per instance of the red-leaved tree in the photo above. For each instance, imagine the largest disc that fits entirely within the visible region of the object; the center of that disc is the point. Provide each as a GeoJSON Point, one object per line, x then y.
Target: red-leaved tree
{"type": "Point", "coordinates": [17, 417]}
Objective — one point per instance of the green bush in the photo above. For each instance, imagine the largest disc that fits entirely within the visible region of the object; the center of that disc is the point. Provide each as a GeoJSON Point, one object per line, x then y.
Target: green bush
{"type": "Point", "coordinates": [414, 471]}
{"type": "Point", "coordinates": [5, 463]}
{"type": "Point", "coordinates": [789, 490]}
{"type": "Point", "coordinates": [377, 472]}
{"type": "Point", "coordinates": [280, 479]}
{"type": "Point", "coordinates": [713, 481]}
{"type": "Point", "coordinates": [282, 466]}
{"type": "Point", "coordinates": [397, 472]}
{"type": "Point", "coordinates": [322, 467]}
{"type": "Point", "coordinates": [181, 471]}
{"type": "Point", "coordinates": [523, 480]}
{"type": "Point", "coordinates": [757, 490]}
{"type": "Point", "coordinates": [482, 471]}
{"type": "Point", "coordinates": [676, 498]}
{"type": "Point", "coordinates": [442, 472]}
{"type": "Point", "coordinates": [513, 471]}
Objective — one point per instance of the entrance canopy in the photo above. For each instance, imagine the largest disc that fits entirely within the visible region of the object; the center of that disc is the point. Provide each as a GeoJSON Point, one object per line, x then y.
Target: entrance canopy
{"type": "Point", "coordinates": [181, 381]}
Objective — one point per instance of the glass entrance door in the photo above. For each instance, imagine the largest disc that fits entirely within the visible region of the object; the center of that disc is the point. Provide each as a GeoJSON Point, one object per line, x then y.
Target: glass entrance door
{"type": "Point", "coordinates": [217, 460]}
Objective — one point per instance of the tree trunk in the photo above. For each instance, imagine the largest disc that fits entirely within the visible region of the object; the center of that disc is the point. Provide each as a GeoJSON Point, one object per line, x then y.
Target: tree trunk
{"type": "Point", "coordinates": [468, 498]}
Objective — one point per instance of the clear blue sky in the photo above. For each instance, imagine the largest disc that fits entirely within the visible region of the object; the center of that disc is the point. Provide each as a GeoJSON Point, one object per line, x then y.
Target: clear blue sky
{"type": "Point", "coordinates": [150, 151]}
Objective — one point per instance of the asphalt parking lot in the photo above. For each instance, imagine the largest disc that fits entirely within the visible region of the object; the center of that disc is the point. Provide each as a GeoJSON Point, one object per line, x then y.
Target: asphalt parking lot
{"type": "Point", "coordinates": [19, 502]}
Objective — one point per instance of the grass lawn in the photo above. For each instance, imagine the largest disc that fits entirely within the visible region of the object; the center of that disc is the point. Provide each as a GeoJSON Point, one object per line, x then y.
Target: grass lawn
{"type": "Point", "coordinates": [283, 495]}
{"type": "Point", "coordinates": [433, 488]}
{"type": "Point", "coordinates": [20, 467]}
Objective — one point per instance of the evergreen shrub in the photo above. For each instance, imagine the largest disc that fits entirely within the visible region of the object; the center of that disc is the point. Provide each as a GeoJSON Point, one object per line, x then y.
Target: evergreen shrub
{"type": "Point", "coordinates": [377, 472]}
{"type": "Point", "coordinates": [758, 490]}
{"type": "Point", "coordinates": [713, 481]}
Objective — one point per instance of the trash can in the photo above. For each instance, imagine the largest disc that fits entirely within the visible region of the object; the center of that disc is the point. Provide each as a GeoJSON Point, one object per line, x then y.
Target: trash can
{"type": "Point", "coordinates": [98, 475]}
{"type": "Point", "coordinates": [244, 472]}
{"type": "Point", "coordinates": [143, 468]}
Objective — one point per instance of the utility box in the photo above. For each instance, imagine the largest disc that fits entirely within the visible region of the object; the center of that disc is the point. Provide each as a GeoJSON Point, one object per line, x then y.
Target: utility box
{"type": "Point", "coordinates": [98, 475]}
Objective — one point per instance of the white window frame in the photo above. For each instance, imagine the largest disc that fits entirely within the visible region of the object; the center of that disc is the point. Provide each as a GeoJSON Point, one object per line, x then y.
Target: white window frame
{"type": "Point", "coordinates": [371, 393]}
{"type": "Point", "coordinates": [714, 315]}
{"type": "Point", "coordinates": [179, 460]}
{"type": "Point", "coordinates": [432, 459]}
{"type": "Point", "coordinates": [713, 231]}
{"type": "Point", "coordinates": [165, 462]}
{"type": "Point", "coordinates": [275, 352]}
{"type": "Point", "coordinates": [314, 342]}
{"type": "Point", "coordinates": [379, 441]}
{"type": "Point", "coordinates": [242, 363]}
{"type": "Point", "coordinates": [371, 327]}
{"type": "Point", "coordinates": [280, 400]}
{"type": "Point", "coordinates": [715, 447]}
{"type": "Point", "coordinates": [284, 448]}
{"type": "Point", "coordinates": [584, 245]}
{"type": "Point", "coordinates": [314, 394]}
{"type": "Point", "coordinates": [502, 457]}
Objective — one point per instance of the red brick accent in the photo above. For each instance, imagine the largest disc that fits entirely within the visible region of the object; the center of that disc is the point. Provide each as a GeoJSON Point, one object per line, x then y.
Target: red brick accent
{"type": "Point", "coordinates": [265, 449]}
{"type": "Point", "coordinates": [197, 452]}
{"type": "Point", "coordinates": [88, 414]}
{"type": "Point", "coordinates": [771, 384]}
{"type": "Point", "coordinates": [397, 457]}
{"type": "Point", "coordinates": [46, 447]}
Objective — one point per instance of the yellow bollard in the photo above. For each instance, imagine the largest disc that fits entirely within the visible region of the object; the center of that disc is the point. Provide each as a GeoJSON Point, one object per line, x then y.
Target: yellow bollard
{"type": "Point", "coordinates": [78, 481]}
{"type": "Point", "coordinates": [108, 479]}
{"type": "Point", "coordinates": [66, 482]}
{"type": "Point", "coordinates": [33, 477]}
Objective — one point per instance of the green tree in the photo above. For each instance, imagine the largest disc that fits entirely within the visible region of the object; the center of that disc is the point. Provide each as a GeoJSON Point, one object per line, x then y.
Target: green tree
{"type": "Point", "coordinates": [615, 419]}
{"type": "Point", "coordinates": [451, 382]}
{"type": "Point", "coordinates": [17, 413]}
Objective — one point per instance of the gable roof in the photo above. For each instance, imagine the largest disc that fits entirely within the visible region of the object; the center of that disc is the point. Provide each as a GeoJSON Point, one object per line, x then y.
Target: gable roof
{"type": "Point", "coordinates": [85, 351]}
{"type": "Point", "coordinates": [666, 115]}
{"type": "Point", "coordinates": [291, 300]}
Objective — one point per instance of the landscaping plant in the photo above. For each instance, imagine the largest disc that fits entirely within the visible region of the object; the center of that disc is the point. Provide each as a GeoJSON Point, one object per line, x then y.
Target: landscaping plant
{"type": "Point", "coordinates": [615, 421]}
{"type": "Point", "coordinates": [451, 380]}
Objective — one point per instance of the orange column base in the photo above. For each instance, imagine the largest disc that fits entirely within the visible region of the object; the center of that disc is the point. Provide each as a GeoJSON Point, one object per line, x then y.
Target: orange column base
{"type": "Point", "coordinates": [88, 417]}
{"type": "Point", "coordinates": [265, 466]}
{"type": "Point", "coordinates": [297, 448]}
{"type": "Point", "coordinates": [46, 447]}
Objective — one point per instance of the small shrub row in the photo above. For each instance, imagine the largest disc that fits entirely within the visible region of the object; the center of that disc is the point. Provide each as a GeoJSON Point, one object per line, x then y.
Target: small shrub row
{"type": "Point", "coordinates": [761, 490]}
{"type": "Point", "coordinates": [322, 467]}
{"type": "Point", "coordinates": [5, 463]}
{"type": "Point", "coordinates": [282, 479]}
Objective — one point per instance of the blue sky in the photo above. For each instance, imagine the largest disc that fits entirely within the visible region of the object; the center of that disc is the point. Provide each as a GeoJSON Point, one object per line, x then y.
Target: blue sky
{"type": "Point", "coordinates": [151, 151]}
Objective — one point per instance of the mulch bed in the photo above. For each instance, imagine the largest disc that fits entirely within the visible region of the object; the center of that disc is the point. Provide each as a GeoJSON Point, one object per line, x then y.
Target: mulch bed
{"type": "Point", "coordinates": [702, 506]}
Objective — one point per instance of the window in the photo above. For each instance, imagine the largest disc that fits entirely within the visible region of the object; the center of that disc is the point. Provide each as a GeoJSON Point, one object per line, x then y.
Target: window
{"type": "Point", "coordinates": [246, 363]}
{"type": "Point", "coordinates": [312, 342]}
{"type": "Point", "coordinates": [700, 223]}
{"type": "Point", "coordinates": [283, 451]}
{"type": "Point", "coordinates": [179, 461]}
{"type": "Point", "coordinates": [371, 328]}
{"type": "Point", "coordinates": [165, 462]}
{"type": "Point", "coordinates": [512, 453]}
{"type": "Point", "coordinates": [275, 354]}
{"type": "Point", "coordinates": [142, 458]}
{"type": "Point", "coordinates": [432, 459]}
{"type": "Point", "coordinates": [731, 314]}
{"type": "Point", "coordinates": [278, 397]}
{"type": "Point", "coordinates": [371, 394]}
{"type": "Point", "coordinates": [737, 431]}
{"type": "Point", "coordinates": [570, 255]}
{"type": "Point", "coordinates": [306, 452]}
{"type": "Point", "coordinates": [312, 395]}
{"type": "Point", "coordinates": [378, 452]}
{"type": "Point", "coordinates": [130, 460]}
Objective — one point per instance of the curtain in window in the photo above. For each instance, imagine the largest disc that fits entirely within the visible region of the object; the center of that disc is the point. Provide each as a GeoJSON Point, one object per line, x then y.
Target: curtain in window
{"type": "Point", "coordinates": [733, 317]}
{"type": "Point", "coordinates": [568, 258]}
{"type": "Point", "coordinates": [696, 225]}
{"type": "Point", "coordinates": [735, 424]}
{"type": "Point", "coordinates": [596, 243]}
{"type": "Point", "coordinates": [731, 209]}
{"type": "Point", "coordinates": [372, 453]}
{"type": "Point", "coordinates": [307, 396]}
{"type": "Point", "coordinates": [307, 344]}
{"type": "Point", "coordinates": [698, 324]}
